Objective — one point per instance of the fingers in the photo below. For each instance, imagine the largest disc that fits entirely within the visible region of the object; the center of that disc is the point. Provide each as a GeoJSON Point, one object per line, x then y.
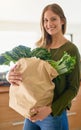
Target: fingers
{"type": "Point", "coordinates": [13, 77]}
{"type": "Point", "coordinates": [42, 113]}
{"type": "Point", "coordinates": [34, 118]}
{"type": "Point", "coordinates": [13, 68]}
{"type": "Point", "coordinates": [34, 110]}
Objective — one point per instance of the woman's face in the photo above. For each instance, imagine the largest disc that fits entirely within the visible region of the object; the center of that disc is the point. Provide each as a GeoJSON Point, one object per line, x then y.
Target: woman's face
{"type": "Point", "coordinates": [52, 23]}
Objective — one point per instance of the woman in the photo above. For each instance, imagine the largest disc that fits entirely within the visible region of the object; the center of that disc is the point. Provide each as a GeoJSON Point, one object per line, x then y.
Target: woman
{"type": "Point", "coordinates": [53, 27]}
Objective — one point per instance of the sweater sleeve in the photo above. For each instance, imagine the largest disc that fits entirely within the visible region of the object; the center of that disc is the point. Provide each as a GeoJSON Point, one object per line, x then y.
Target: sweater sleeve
{"type": "Point", "coordinates": [72, 85]}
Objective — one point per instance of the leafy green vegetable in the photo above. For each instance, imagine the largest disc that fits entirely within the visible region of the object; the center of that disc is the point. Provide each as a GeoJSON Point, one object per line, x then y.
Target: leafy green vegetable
{"type": "Point", "coordinates": [2, 60]}
{"type": "Point", "coordinates": [41, 53]}
{"type": "Point", "coordinates": [65, 64]}
{"type": "Point", "coordinates": [15, 54]}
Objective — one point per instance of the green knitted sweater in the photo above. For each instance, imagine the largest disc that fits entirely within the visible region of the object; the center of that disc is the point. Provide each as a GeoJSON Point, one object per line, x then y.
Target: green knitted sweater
{"type": "Point", "coordinates": [67, 85]}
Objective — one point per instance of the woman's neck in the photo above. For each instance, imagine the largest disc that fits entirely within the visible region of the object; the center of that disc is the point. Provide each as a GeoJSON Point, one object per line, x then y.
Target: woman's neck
{"type": "Point", "coordinates": [57, 42]}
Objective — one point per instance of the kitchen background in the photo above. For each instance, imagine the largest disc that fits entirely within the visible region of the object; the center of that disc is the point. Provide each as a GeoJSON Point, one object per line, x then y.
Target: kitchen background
{"type": "Point", "coordinates": [20, 24]}
{"type": "Point", "coordinates": [20, 21]}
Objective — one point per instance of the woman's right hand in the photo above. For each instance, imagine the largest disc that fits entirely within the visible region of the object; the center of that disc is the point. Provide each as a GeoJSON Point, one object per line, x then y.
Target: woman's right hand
{"type": "Point", "coordinates": [13, 77]}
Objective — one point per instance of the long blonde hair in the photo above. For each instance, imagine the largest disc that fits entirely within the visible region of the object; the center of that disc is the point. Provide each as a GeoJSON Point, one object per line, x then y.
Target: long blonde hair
{"type": "Point", "coordinates": [46, 38]}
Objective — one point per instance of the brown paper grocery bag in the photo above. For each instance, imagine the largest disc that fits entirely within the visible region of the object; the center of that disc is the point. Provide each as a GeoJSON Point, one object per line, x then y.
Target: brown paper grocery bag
{"type": "Point", "coordinates": [36, 89]}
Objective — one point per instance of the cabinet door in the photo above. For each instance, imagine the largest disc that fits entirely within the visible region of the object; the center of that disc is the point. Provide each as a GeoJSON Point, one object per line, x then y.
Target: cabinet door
{"type": "Point", "coordinates": [74, 115]}
{"type": "Point", "coordinates": [9, 119]}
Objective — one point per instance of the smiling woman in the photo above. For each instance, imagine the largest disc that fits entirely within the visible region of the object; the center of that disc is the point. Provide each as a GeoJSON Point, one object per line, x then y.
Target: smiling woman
{"type": "Point", "coordinates": [52, 38]}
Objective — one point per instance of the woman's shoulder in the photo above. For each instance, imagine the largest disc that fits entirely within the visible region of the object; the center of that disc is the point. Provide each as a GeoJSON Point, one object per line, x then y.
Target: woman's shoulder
{"type": "Point", "coordinates": [71, 44]}
{"type": "Point", "coordinates": [71, 47]}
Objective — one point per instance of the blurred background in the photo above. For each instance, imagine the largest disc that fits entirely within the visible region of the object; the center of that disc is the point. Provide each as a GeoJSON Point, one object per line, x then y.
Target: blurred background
{"type": "Point", "coordinates": [20, 25]}
{"type": "Point", "coordinates": [20, 21]}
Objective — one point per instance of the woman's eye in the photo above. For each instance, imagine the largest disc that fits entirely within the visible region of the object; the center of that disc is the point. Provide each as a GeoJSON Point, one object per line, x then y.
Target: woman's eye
{"type": "Point", "coordinates": [53, 19]}
{"type": "Point", "coordinates": [45, 20]}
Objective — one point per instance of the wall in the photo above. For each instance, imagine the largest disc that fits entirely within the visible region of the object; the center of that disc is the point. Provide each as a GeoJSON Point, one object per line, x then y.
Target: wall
{"type": "Point", "coordinates": [75, 29]}
{"type": "Point", "coordinates": [27, 27]}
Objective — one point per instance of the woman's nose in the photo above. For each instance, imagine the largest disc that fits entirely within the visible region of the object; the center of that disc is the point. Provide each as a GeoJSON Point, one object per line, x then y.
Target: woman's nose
{"type": "Point", "coordinates": [49, 23]}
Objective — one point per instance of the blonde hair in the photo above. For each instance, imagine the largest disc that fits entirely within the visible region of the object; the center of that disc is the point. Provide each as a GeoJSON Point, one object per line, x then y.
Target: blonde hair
{"type": "Point", "coordinates": [46, 38]}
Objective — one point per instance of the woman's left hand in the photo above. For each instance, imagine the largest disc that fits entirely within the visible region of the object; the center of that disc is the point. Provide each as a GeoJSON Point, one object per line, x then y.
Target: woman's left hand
{"type": "Point", "coordinates": [42, 113]}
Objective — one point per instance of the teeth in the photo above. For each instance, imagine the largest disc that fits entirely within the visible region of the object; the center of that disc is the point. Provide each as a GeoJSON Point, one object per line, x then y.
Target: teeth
{"type": "Point", "coordinates": [51, 28]}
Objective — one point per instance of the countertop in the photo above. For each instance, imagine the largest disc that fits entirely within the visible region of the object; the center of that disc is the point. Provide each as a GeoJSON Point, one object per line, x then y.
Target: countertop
{"type": "Point", "coordinates": [4, 89]}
